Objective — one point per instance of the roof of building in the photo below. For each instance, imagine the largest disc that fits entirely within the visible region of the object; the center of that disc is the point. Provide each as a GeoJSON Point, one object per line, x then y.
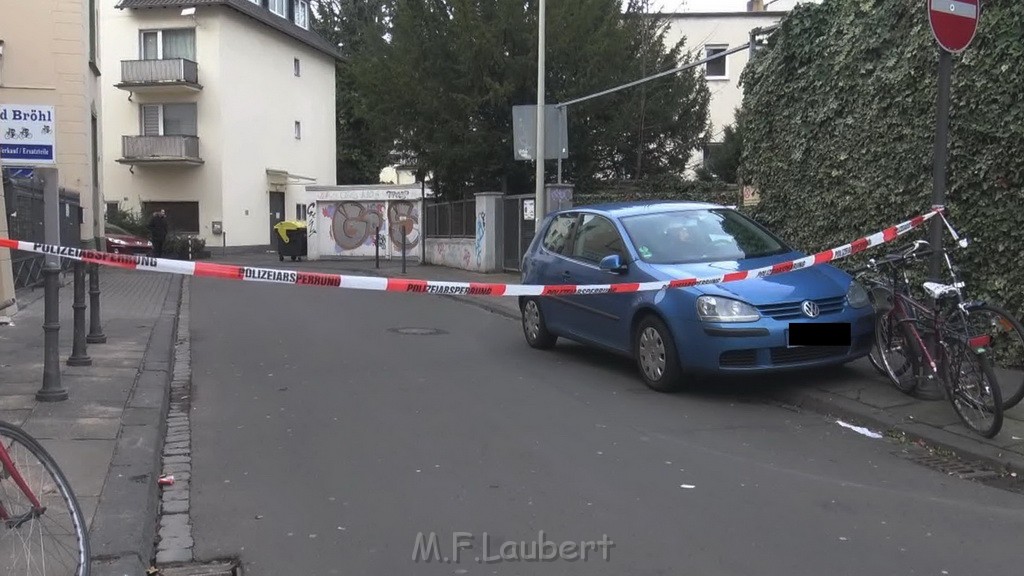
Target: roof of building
{"type": "Point", "coordinates": [250, 9]}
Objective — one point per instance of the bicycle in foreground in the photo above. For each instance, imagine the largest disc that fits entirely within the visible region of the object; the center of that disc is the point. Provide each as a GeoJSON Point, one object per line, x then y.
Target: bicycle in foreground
{"type": "Point", "coordinates": [42, 530]}
{"type": "Point", "coordinates": [960, 360]}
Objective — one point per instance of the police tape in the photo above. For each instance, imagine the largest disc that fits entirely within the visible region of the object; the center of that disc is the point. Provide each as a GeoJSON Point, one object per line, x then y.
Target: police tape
{"type": "Point", "coordinates": [255, 274]}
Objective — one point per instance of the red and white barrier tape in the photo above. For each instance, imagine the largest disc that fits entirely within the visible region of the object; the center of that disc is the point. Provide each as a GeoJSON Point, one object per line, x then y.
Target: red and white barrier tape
{"type": "Point", "coordinates": [232, 272]}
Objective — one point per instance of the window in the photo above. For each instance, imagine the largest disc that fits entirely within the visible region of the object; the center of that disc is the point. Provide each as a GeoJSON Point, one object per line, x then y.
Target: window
{"type": "Point", "coordinates": [558, 233]}
{"type": "Point", "coordinates": [168, 44]}
{"type": "Point", "coordinates": [716, 68]}
{"type": "Point", "coordinates": [169, 120]}
{"type": "Point", "coordinates": [300, 212]}
{"type": "Point", "coordinates": [298, 130]}
{"type": "Point", "coordinates": [298, 67]}
{"type": "Point", "coordinates": [596, 239]}
{"type": "Point", "coordinates": [302, 13]}
{"type": "Point", "coordinates": [279, 7]}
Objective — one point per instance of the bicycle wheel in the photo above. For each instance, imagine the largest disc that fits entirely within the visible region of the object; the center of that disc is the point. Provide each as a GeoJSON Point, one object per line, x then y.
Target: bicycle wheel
{"type": "Point", "coordinates": [896, 353]}
{"type": "Point", "coordinates": [1006, 347]}
{"type": "Point", "coordinates": [47, 537]}
{"type": "Point", "coordinates": [973, 389]}
{"type": "Point", "coordinates": [880, 299]}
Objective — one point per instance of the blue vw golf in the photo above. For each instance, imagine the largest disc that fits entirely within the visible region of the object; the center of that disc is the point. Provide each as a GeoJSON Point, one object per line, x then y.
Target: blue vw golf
{"type": "Point", "coordinates": [808, 317]}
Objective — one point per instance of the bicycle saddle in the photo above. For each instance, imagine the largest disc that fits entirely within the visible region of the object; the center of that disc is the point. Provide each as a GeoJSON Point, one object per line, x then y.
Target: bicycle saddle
{"type": "Point", "coordinates": [936, 290]}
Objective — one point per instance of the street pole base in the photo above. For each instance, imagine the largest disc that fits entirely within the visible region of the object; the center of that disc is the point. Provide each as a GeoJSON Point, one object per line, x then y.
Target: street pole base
{"type": "Point", "coordinates": [928, 390]}
{"type": "Point", "coordinates": [96, 339]}
{"type": "Point", "coordinates": [80, 361]}
{"type": "Point", "coordinates": [52, 395]}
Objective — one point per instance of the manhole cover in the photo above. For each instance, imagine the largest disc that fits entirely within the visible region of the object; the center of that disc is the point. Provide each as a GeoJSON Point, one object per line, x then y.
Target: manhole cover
{"type": "Point", "coordinates": [417, 331]}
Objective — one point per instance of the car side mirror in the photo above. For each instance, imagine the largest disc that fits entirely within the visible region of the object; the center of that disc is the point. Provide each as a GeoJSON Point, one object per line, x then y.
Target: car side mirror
{"type": "Point", "coordinates": [613, 263]}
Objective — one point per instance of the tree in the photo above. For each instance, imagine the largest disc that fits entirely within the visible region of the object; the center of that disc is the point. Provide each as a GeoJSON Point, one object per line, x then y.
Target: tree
{"type": "Point", "coordinates": [724, 161]}
{"type": "Point", "coordinates": [437, 80]}
{"type": "Point", "coordinates": [356, 28]}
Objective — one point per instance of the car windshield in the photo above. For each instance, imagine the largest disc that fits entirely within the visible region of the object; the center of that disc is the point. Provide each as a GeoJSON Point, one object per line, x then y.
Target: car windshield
{"type": "Point", "coordinates": [111, 229]}
{"type": "Point", "coordinates": [692, 236]}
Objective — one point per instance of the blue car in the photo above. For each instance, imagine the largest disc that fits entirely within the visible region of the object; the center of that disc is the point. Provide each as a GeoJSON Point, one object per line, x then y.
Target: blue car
{"type": "Point", "coordinates": [814, 316]}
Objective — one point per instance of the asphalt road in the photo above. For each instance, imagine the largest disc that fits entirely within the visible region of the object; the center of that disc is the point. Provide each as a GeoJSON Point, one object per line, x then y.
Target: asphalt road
{"type": "Point", "coordinates": [323, 443]}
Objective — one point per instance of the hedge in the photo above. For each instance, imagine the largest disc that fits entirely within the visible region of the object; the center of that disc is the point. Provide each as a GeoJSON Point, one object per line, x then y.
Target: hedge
{"type": "Point", "coordinates": [839, 126]}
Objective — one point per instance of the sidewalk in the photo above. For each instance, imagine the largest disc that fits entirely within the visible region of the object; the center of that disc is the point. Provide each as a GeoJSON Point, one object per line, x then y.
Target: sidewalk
{"type": "Point", "coordinates": [856, 393]}
{"type": "Point", "coordinates": [106, 436]}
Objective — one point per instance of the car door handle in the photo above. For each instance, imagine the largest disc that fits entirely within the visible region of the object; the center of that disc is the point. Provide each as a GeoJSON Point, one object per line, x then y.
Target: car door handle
{"type": "Point", "coordinates": [566, 276]}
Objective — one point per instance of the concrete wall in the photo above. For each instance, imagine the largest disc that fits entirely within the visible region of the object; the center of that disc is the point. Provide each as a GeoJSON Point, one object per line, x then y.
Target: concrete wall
{"type": "Point", "coordinates": [479, 253]}
{"type": "Point", "coordinates": [246, 110]}
{"type": "Point", "coordinates": [46, 62]}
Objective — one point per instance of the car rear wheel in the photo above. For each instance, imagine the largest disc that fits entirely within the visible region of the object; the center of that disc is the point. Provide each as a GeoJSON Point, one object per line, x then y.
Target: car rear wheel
{"type": "Point", "coordinates": [534, 328]}
{"type": "Point", "coordinates": [656, 356]}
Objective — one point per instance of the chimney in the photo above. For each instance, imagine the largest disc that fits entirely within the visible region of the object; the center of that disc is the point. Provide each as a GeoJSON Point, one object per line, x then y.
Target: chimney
{"type": "Point", "coordinates": [755, 6]}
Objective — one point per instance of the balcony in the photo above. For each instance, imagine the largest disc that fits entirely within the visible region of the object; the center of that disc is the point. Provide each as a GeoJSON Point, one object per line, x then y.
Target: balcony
{"type": "Point", "coordinates": [176, 75]}
{"type": "Point", "coordinates": [168, 150]}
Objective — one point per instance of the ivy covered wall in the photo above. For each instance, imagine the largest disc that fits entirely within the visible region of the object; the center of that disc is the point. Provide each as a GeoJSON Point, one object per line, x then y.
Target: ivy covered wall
{"type": "Point", "coordinates": [839, 128]}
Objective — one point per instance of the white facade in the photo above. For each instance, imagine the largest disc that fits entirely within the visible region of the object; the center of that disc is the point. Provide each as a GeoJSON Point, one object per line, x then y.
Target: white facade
{"type": "Point", "coordinates": [727, 27]}
{"type": "Point", "coordinates": [264, 119]}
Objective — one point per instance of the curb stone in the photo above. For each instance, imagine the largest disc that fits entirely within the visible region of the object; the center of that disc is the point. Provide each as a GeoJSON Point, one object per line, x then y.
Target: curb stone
{"type": "Point", "coordinates": [122, 531]}
{"type": "Point", "coordinates": [174, 541]}
{"type": "Point", "coordinates": [835, 405]}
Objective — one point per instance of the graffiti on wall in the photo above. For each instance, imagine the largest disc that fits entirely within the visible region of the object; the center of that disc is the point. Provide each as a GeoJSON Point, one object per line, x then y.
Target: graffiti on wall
{"type": "Point", "coordinates": [454, 253]}
{"type": "Point", "coordinates": [354, 224]}
{"type": "Point", "coordinates": [402, 216]}
{"type": "Point", "coordinates": [481, 229]}
{"type": "Point", "coordinates": [310, 219]}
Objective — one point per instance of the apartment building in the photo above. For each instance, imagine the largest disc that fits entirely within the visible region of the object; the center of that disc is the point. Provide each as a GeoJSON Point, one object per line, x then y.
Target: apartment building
{"type": "Point", "coordinates": [218, 111]}
{"type": "Point", "coordinates": [712, 32]}
{"type": "Point", "coordinates": [49, 57]}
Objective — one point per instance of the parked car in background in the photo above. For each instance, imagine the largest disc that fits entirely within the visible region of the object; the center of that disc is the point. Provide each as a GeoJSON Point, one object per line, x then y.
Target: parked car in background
{"type": "Point", "coordinates": [120, 241]}
{"type": "Point", "coordinates": [738, 327]}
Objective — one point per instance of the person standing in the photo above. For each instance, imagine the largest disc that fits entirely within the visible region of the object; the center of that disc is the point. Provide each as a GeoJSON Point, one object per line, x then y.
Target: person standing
{"type": "Point", "coordinates": [158, 232]}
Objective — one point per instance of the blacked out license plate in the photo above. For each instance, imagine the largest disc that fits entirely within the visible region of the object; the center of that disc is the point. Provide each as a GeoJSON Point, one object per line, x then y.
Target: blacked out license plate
{"type": "Point", "coordinates": [819, 334]}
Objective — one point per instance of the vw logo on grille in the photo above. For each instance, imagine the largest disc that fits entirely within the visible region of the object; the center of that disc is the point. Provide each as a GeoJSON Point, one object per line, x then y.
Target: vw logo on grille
{"type": "Point", "coordinates": [810, 309]}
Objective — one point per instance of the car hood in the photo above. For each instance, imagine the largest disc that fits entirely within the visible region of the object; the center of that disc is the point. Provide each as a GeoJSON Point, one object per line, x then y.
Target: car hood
{"type": "Point", "coordinates": [822, 281]}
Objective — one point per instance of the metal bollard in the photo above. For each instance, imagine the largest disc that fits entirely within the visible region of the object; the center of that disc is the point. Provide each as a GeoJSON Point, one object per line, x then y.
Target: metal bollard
{"type": "Point", "coordinates": [79, 354]}
{"type": "Point", "coordinates": [403, 248]}
{"type": "Point", "coordinates": [96, 335]}
{"type": "Point", "coordinates": [52, 389]}
{"type": "Point", "coordinates": [376, 247]}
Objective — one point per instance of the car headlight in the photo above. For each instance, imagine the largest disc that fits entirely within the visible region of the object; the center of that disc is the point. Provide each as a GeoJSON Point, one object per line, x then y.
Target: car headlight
{"type": "Point", "coordinates": [117, 242]}
{"type": "Point", "coordinates": [857, 296]}
{"type": "Point", "coordinates": [718, 309]}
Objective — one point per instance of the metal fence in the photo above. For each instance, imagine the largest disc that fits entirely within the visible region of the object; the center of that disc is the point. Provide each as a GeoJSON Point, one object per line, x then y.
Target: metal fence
{"type": "Point", "coordinates": [24, 203]}
{"type": "Point", "coordinates": [456, 219]}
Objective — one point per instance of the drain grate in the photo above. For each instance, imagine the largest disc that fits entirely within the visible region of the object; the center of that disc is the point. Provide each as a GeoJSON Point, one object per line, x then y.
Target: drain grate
{"type": "Point", "coordinates": [417, 331]}
{"type": "Point", "coordinates": [953, 466]}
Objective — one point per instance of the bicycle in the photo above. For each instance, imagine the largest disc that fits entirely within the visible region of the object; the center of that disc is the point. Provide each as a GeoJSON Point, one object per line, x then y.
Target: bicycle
{"type": "Point", "coordinates": [42, 529]}
{"type": "Point", "coordinates": [1005, 331]}
{"type": "Point", "coordinates": [959, 360]}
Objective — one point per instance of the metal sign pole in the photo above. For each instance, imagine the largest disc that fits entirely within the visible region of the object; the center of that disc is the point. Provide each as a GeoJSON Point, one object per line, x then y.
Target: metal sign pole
{"type": "Point", "coordinates": [539, 156]}
{"type": "Point", "coordinates": [941, 154]}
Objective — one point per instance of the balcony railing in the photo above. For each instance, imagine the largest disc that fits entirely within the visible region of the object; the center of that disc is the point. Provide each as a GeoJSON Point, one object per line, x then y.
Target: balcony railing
{"type": "Point", "coordinates": [159, 73]}
{"type": "Point", "coordinates": [160, 149]}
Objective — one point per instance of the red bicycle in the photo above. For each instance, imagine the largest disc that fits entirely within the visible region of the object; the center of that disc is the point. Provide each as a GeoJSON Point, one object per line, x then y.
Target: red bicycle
{"type": "Point", "coordinates": [42, 530]}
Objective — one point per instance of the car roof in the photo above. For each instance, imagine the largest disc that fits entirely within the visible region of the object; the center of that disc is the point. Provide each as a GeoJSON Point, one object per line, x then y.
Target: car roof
{"type": "Point", "coordinates": [623, 209]}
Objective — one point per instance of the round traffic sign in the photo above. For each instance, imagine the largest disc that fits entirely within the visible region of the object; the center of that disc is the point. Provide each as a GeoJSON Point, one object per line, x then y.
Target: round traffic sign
{"type": "Point", "coordinates": [954, 22]}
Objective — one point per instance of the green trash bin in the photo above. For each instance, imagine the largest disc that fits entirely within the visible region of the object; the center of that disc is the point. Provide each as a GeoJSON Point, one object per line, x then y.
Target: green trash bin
{"type": "Point", "coordinates": [291, 239]}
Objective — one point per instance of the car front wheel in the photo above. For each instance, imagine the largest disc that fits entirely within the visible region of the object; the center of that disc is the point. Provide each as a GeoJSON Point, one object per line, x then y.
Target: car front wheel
{"type": "Point", "coordinates": [534, 328]}
{"type": "Point", "coordinates": [656, 356]}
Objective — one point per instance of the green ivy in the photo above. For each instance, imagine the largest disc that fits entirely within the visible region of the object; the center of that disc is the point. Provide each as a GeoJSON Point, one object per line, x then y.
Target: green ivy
{"type": "Point", "coordinates": [839, 123]}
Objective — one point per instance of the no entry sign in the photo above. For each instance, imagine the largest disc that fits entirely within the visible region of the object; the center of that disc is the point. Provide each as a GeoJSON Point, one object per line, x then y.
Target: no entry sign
{"type": "Point", "coordinates": [954, 22]}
